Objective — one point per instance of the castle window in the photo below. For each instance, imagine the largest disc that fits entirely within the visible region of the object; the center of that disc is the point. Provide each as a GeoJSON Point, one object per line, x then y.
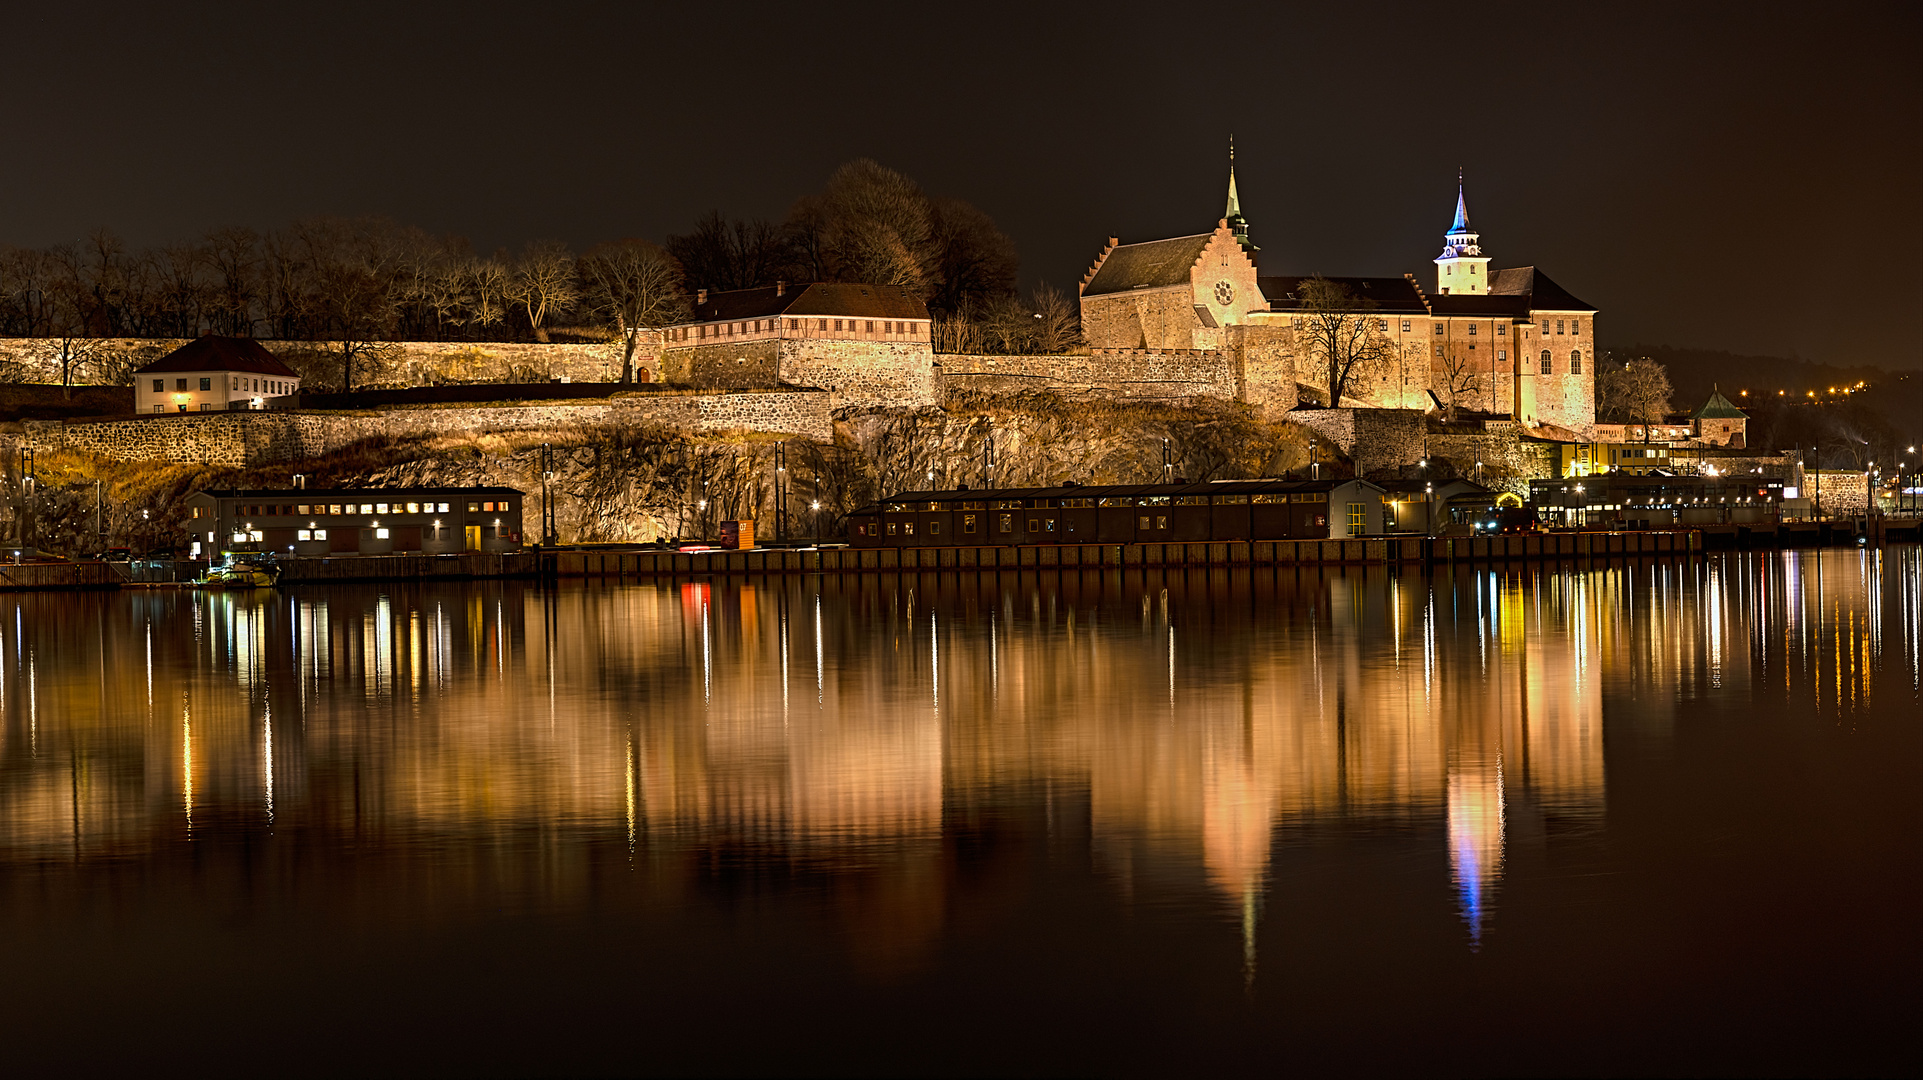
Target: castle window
{"type": "Point", "coordinates": [1575, 362]}
{"type": "Point", "coordinates": [1450, 270]}
{"type": "Point", "coordinates": [1502, 355]}
{"type": "Point", "coordinates": [1472, 268]}
{"type": "Point", "coordinates": [1405, 326]}
{"type": "Point", "coordinates": [1382, 325]}
{"type": "Point", "coordinates": [1575, 326]}
{"type": "Point", "coordinates": [1472, 329]}
{"type": "Point", "coordinates": [1502, 330]}
{"type": "Point", "coordinates": [821, 325]}
{"type": "Point", "coordinates": [870, 326]}
{"type": "Point", "coordinates": [1438, 329]}
{"type": "Point", "coordinates": [1545, 328]}
{"type": "Point", "coordinates": [1546, 365]}
{"type": "Point", "coordinates": [1438, 350]}
{"type": "Point", "coordinates": [206, 384]}
{"type": "Point", "coordinates": [1558, 326]}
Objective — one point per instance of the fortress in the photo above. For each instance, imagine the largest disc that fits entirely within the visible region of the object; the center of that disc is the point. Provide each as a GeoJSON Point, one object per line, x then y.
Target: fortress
{"type": "Point", "coordinates": [1184, 317]}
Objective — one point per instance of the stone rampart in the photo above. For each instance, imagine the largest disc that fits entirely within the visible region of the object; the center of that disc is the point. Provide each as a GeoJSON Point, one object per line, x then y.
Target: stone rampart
{"type": "Point", "coordinates": [1113, 373]}
{"type": "Point", "coordinates": [1509, 460]}
{"type": "Point", "coordinates": [1375, 440]}
{"type": "Point", "coordinates": [862, 374]}
{"type": "Point", "coordinates": [268, 438]}
{"type": "Point", "coordinates": [406, 363]}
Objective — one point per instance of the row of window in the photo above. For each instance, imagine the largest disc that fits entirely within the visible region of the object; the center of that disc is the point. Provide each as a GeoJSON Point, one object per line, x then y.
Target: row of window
{"type": "Point", "coordinates": [1574, 327]}
{"type": "Point", "coordinates": [1270, 499]}
{"type": "Point", "coordinates": [252, 510]}
{"type": "Point", "coordinates": [762, 326]}
{"type": "Point", "coordinates": [270, 386]}
{"type": "Point", "coordinates": [1548, 366]}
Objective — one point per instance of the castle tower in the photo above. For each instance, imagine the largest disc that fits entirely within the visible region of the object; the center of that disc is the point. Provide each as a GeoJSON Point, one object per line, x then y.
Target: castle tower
{"type": "Point", "coordinates": [1238, 224]}
{"type": "Point", "coordinates": [1461, 268]}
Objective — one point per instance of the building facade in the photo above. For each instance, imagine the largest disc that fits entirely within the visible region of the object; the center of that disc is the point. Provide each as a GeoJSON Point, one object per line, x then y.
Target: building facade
{"type": "Point", "coordinates": [355, 521]}
{"type": "Point", "coordinates": [214, 374]}
{"type": "Point", "coordinates": [1503, 343]}
{"type": "Point", "coordinates": [870, 345]}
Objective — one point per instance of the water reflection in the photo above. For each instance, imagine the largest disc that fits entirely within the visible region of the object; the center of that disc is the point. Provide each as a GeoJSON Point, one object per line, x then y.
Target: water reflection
{"type": "Point", "coordinates": [899, 744]}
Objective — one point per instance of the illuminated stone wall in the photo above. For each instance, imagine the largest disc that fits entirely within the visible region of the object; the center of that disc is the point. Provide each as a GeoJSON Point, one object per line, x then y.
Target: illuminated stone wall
{"type": "Point", "coordinates": [1376, 440]}
{"type": "Point", "coordinates": [1110, 373]}
{"type": "Point", "coordinates": [260, 438]}
{"type": "Point", "coordinates": [414, 363]}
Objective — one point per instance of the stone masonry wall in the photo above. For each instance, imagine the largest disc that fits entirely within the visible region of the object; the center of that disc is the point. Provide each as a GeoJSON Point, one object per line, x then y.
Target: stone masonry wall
{"type": "Point", "coordinates": [862, 374]}
{"type": "Point", "coordinates": [415, 363]}
{"type": "Point", "coordinates": [1375, 440]}
{"type": "Point", "coordinates": [261, 438]}
{"type": "Point", "coordinates": [724, 365]}
{"type": "Point", "coordinates": [1509, 460]}
{"type": "Point", "coordinates": [1116, 373]}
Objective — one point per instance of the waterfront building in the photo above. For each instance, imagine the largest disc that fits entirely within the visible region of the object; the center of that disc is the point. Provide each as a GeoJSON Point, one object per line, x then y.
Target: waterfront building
{"type": "Point", "coordinates": [355, 521]}
{"type": "Point", "coordinates": [214, 374]}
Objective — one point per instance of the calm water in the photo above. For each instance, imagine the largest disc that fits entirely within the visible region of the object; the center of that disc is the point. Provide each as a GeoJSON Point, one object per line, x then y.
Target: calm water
{"type": "Point", "coordinates": [1659, 816]}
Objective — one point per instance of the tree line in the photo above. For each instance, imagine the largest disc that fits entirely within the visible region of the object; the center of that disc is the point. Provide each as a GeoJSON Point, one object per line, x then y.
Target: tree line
{"type": "Point", "coordinates": [370, 279]}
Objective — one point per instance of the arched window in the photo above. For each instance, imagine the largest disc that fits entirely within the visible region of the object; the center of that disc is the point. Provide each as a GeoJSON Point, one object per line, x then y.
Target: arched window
{"type": "Point", "coordinates": [1575, 362]}
{"type": "Point", "coordinates": [1547, 367]}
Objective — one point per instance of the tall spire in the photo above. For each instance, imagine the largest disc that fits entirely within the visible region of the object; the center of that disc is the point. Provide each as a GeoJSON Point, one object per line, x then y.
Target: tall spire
{"type": "Point", "coordinates": [1237, 223]}
{"type": "Point", "coordinates": [1462, 267]}
{"type": "Point", "coordinates": [1461, 224]}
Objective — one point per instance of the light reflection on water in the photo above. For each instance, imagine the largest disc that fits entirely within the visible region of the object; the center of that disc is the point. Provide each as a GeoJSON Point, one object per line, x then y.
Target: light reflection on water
{"type": "Point", "coordinates": [897, 748]}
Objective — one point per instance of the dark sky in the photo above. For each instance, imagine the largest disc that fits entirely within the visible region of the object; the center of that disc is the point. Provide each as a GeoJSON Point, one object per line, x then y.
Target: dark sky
{"type": "Point", "coordinates": [1742, 177]}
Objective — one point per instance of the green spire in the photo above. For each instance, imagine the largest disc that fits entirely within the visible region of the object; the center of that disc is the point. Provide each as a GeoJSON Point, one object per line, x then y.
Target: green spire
{"type": "Point", "coordinates": [1237, 223]}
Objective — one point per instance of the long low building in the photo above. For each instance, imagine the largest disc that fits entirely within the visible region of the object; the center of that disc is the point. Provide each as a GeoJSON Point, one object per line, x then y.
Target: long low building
{"type": "Point", "coordinates": [1144, 513]}
{"type": "Point", "coordinates": [355, 521]}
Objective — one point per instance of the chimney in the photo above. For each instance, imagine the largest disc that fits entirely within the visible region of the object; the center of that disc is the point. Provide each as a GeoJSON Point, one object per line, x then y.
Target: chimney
{"type": "Point", "coordinates": [781, 288]}
{"type": "Point", "coordinates": [701, 296]}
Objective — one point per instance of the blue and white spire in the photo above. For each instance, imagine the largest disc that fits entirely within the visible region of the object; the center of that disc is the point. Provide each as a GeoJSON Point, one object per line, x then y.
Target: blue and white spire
{"type": "Point", "coordinates": [1461, 268]}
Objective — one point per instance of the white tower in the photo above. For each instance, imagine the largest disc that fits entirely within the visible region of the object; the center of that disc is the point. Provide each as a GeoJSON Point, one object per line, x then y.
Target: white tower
{"type": "Point", "coordinates": [1461, 268]}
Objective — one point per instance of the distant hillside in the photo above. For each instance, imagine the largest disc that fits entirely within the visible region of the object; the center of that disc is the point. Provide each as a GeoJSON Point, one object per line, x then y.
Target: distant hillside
{"type": "Point", "coordinates": [1887, 412]}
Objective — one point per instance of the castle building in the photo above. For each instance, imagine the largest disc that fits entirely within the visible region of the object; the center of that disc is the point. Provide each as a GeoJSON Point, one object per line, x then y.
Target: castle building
{"type": "Point", "coordinates": [1499, 343]}
{"type": "Point", "coordinates": [870, 344]}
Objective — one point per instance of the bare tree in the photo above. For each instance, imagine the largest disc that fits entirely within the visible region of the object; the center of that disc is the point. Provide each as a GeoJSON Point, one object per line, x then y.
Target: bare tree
{"type": "Point", "coordinates": [1635, 393]}
{"type": "Point", "coordinates": [1339, 335]}
{"type": "Point", "coordinates": [543, 284]}
{"type": "Point", "coordinates": [636, 286]}
{"type": "Point", "coordinates": [1457, 379]}
{"type": "Point", "coordinates": [727, 254]}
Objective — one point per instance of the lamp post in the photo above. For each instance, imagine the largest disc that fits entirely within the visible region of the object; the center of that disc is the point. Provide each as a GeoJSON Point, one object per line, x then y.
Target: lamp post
{"type": "Point", "coordinates": [781, 470]}
{"type": "Point", "coordinates": [1168, 464]}
{"type": "Point", "coordinates": [548, 537]}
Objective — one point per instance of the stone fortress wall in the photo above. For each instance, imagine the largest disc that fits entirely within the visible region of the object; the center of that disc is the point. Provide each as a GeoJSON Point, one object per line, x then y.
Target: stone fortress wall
{"type": "Point", "coordinates": [273, 438]}
{"type": "Point", "coordinates": [1116, 373]}
{"type": "Point", "coordinates": [410, 363]}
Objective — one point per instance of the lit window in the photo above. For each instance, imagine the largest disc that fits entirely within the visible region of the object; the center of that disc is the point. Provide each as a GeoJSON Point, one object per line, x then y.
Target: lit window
{"type": "Point", "coordinates": [443, 508]}
{"type": "Point", "coordinates": [367, 508]}
{"type": "Point", "coordinates": [1357, 519]}
{"type": "Point", "coordinates": [380, 534]}
{"type": "Point", "coordinates": [334, 508]}
{"type": "Point", "coordinates": [301, 509]}
{"type": "Point", "coordinates": [1472, 329]}
{"type": "Point", "coordinates": [891, 528]}
{"type": "Point", "coordinates": [380, 508]}
{"type": "Point", "coordinates": [1382, 325]}
{"type": "Point", "coordinates": [475, 508]}
{"type": "Point", "coordinates": [1438, 329]}
{"type": "Point", "coordinates": [1502, 355]}
{"type": "Point", "coordinates": [908, 528]}
{"type": "Point", "coordinates": [304, 534]}
{"type": "Point", "coordinates": [1405, 326]}
{"type": "Point", "coordinates": [413, 508]}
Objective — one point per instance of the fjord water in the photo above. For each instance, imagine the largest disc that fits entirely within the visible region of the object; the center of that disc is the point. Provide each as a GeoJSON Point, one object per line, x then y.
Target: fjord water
{"type": "Point", "coordinates": [1650, 816]}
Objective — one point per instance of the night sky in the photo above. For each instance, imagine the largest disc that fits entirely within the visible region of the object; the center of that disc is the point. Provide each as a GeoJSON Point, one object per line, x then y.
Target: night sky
{"type": "Point", "coordinates": [1740, 177]}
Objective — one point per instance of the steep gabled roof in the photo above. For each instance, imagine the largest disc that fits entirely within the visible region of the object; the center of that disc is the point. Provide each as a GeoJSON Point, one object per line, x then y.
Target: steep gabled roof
{"type": "Point", "coordinates": [1150, 265]}
{"type": "Point", "coordinates": [212, 353]}
{"type": "Point", "coordinates": [1471, 305]}
{"type": "Point", "coordinates": [820, 298]}
{"type": "Point", "coordinates": [1543, 294]}
{"type": "Point", "coordinates": [1396, 295]}
{"type": "Point", "coordinates": [1719, 407]}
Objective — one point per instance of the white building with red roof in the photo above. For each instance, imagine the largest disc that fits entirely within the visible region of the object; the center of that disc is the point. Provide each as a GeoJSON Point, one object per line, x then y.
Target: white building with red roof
{"type": "Point", "coordinates": [213, 374]}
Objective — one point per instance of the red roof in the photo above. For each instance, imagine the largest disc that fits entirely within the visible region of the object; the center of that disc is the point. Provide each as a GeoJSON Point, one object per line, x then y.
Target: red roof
{"type": "Point", "coordinates": [870, 301]}
{"type": "Point", "coordinates": [210, 352]}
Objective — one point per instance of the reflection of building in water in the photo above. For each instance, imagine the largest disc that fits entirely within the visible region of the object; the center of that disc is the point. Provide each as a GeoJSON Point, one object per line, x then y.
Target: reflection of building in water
{"type": "Point", "coordinates": [890, 732]}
